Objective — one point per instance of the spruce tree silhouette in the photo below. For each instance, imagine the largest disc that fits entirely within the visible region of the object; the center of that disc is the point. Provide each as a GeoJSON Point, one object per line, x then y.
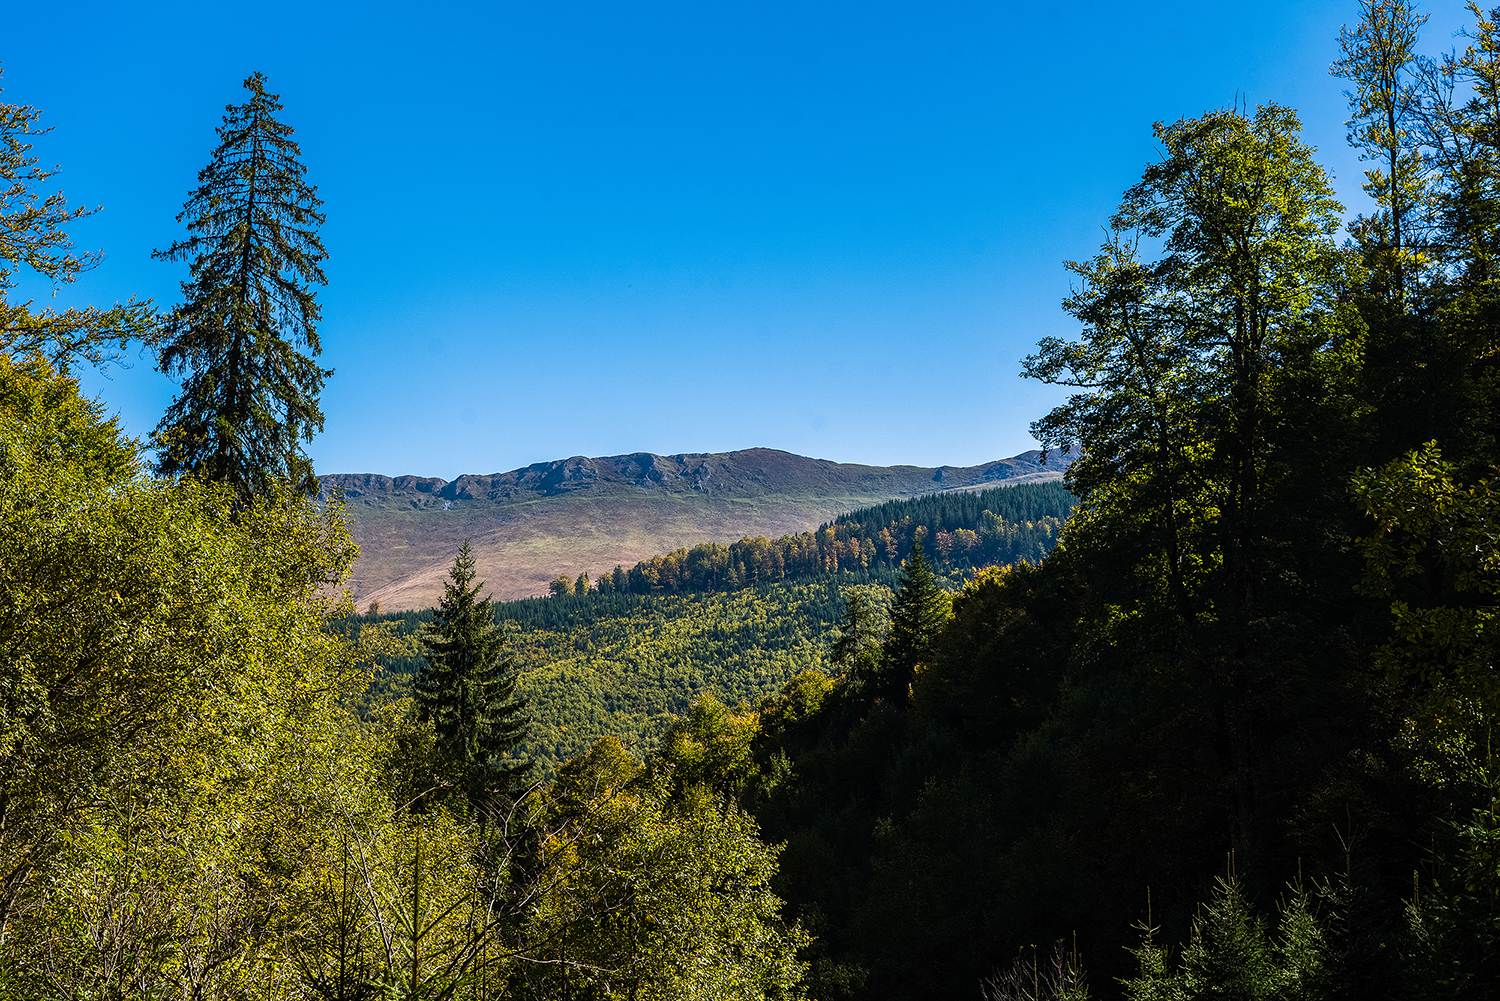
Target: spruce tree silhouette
{"type": "Point", "coordinates": [468, 691]}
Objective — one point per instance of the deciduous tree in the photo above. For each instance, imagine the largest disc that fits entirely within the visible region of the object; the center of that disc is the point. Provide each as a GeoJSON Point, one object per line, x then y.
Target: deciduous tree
{"type": "Point", "coordinates": [1378, 57]}
{"type": "Point", "coordinates": [1195, 364]}
{"type": "Point", "coordinates": [169, 694]}
{"type": "Point", "coordinates": [33, 237]}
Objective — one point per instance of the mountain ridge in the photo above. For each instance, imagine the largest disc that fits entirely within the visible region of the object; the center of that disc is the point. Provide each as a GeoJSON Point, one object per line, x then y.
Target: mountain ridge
{"type": "Point", "coordinates": [586, 514]}
{"type": "Point", "coordinates": [578, 471]}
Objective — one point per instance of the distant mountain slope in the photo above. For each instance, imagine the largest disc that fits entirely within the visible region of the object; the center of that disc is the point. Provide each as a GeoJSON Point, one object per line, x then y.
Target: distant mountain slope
{"type": "Point", "coordinates": [582, 514]}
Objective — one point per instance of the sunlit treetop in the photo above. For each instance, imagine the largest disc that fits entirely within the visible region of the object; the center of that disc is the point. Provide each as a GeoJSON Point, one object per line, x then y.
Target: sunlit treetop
{"type": "Point", "coordinates": [34, 238]}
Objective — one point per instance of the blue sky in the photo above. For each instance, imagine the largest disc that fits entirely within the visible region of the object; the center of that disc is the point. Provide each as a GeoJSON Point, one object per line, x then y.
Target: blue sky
{"type": "Point", "coordinates": [560, 229]}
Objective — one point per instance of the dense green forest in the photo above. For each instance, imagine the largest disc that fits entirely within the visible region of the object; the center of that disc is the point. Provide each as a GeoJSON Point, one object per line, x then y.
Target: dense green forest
{"type": "Point", "coordinates": [191, 804]}
{"type": "Point", "coordinates": [1233, 737]}
{"type": "Point", "coordinates": [962, 530]}
{"type": "Point", "coordinates": [626, 665]}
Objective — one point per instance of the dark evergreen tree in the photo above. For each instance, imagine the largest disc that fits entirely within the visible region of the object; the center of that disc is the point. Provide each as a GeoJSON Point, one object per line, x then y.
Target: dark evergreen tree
{"type": "Point", "coordinates": [857, 651]}
{"type": "Point", "coordinates": [249, 396]}
{"type": "Point", "coordinates": [1454, 945]}
{"type": "Point", "coordinates": [918, 616]}
{"type": "Point", "coordinates": [468, 691]}
{"type": "Point", "coordinates": [1369, 952]}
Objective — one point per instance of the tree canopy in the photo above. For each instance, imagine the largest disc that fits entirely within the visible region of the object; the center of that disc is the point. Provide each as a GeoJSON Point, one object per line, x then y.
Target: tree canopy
{"type": "Point", "coordinates": [1230, 736]}
{"type": "Point", "coordinates": [33, 237]}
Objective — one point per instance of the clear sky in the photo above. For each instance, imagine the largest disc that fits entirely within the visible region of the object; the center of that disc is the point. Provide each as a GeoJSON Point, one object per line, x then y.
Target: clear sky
{"type": "Point", "coordinates": [564, 228]}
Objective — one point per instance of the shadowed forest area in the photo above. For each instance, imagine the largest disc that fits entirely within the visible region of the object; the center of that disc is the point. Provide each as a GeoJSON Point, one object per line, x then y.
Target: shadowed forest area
{"type": "Point", "coordinates": [1227, 731]}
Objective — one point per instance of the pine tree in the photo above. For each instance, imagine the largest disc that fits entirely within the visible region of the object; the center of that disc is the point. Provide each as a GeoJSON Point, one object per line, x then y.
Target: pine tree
{"type": "Point", "coordinates": [918, 616]}
{"type": "Point", "coordinates": [468, 691]}
{"type": "Point", "coordinates": [857, 651]}
{"type": "Point", "coordinates": [249, 397]}
{"type": "Point", "coordinates": [1228, 954]}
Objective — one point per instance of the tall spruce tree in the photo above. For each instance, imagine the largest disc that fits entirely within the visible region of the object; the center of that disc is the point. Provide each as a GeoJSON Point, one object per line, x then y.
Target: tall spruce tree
{"type": "Point", "coordinates": [857, 650]}
{"type": "Point", "coordinates": [249, 395]}
{"type": "Point", "coordinates": [468, 692]}
{"type": "Point", "coordinates": [917, 617]}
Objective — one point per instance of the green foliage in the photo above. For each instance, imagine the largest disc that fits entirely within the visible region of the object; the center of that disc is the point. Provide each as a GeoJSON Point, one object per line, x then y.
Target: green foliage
{"type": "Point", "coordinates": [1266, 627]}
{"type": "Point", "coordinates": [188, 808]}
{"type": "Point", "coordinates": [797, 704]}
{"type": "Point", "coordinates": [467, 691]}
{"type": "Point", "coordinates": [967, 530]}
{"type": "Point", "coordinates": [1454, 946]}
{"type": "Point", "coordinates": [249, 398]}
{"type": "Point", "coordinates": [662, 899]}
{"type": "Point", "coordinates": [920, 611]}
{"type": "Point", "coordinates": [1228, 952]}
{"type": "Point", "coordinates": [1219, 653]}
{"type": "Point", "coordinates": [1192, 667]}
{"type": "Point", "coordinates": [858, 652]}
{"type": "Point", "coordinates": [951, 511]}
{"type": "Point", "coordinates": [1433, 557]}
{"type": "Point", "coordinates": [1178, 355]}
{"type": "Point", "coordinates": [1435, 542]}
{"type": "Point", "coordinates": [1231, 955]}
{"type": "Point", "coordinates": [707, 754]}
{"type": "Point", "coordinates": [47, 423]}
{"type": "Point", "coordinates": [1385, 108]}
{"type": "Point", "coordinates": [168, 703]}
{"type": "Point", "coordinates": [625, 665]}
{"type": "Point", "coordinates": [33, 237]}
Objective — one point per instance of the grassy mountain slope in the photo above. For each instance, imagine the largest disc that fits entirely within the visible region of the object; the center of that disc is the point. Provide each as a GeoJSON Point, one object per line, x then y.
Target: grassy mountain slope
{"type": "Point", "coordinates": [580, 514]}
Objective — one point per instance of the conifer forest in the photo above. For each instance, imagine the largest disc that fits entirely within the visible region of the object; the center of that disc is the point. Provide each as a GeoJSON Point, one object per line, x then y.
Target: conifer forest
{"type": "Point", "coordinates": [1214, 717]}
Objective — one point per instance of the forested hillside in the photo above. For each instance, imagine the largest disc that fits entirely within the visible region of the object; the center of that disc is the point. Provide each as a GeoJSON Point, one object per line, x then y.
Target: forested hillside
{"type": "Point", "coordinates": [1227, 731]}
{"type": "Point", "coordinates": [962, 529]}
{"type": "Point", "coordinates": [1234, 736]}
{"type": "Point", "coordinates": [734, 622]}
{"type": "Point", "coordinates": [191, 805]}
{"type": "Point", "coordinates": [627, 665]}
{"type": "Point", "coordinates": [579, 515]}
